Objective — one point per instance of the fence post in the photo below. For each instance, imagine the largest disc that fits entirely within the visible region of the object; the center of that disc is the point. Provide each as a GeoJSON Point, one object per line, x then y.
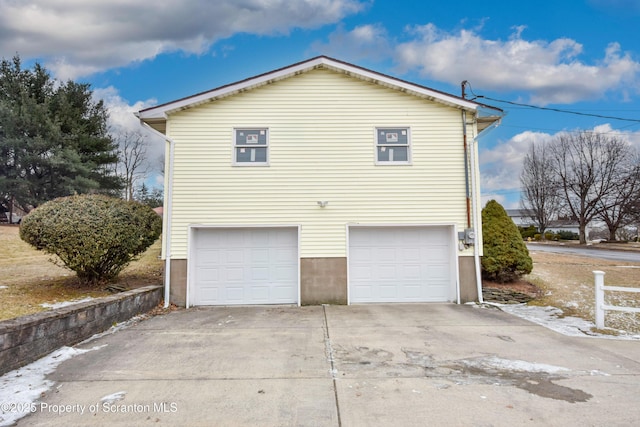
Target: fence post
{"type": "Point", "coordinates": [599, 280]}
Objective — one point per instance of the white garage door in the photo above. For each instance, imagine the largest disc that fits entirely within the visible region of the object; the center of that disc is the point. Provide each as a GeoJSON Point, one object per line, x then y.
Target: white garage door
{"type": "Point", "coordinates": [401, 264]}
{"type": "Point", "coordinates": [244, 266]}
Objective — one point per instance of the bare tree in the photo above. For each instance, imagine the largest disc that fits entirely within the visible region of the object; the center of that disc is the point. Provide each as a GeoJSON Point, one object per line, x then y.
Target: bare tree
{"type": "Point", "coordinates": [620, 207]}
{"type": "Point", "coordinates": [132, 159]}
{"type": "Point", "coordinates": [588, 165]}
{"type": "Point", "coordinates": [540, 186]}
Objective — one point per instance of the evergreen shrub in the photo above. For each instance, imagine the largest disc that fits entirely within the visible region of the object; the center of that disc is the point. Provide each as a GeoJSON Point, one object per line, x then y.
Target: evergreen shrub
{"type": "Point", "coordinates": [506, 257]}
{"type": "Point", "coordinates": [96, 236]}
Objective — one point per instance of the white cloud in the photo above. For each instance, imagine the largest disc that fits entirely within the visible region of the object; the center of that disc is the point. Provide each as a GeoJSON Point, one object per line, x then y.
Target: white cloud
{"type": "Point", "coordinates": [122, 120]}
{"type": "Point", "coordinates": [501, 165]}
{"type": "Point", "coordinates": [77, 37]}
{"type": "Point", "coordinates": [550, 70]}
{"type": "Point", "coordinates": [365, 41]}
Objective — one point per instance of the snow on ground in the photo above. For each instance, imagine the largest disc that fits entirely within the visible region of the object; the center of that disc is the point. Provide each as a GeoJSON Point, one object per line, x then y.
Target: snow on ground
{"type": "Point", "coordinates": [513, 365]}
{"type": "Point", "coordinates": [550, 317]}
{"type": "Point", "coordinates": [114, 397]}
{"type": "Point", "coordinates": [65, 303]}
{"type": "Point", "coordinates": [21, 388]}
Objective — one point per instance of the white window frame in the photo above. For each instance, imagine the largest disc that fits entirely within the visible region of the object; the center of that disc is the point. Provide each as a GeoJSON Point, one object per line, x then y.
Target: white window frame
{"type": "Point", "coordinates": [377, 145]}
{"type": "Point", "coordinates": [236, 146]}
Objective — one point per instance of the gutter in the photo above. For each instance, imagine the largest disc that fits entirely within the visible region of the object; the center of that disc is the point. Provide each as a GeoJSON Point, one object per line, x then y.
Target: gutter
{"type": "Point", "coordinates": [167, 213]}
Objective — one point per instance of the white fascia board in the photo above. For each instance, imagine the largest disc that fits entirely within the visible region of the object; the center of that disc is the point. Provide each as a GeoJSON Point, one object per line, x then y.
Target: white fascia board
{"type": "Point", "coordinates": [162, 111]}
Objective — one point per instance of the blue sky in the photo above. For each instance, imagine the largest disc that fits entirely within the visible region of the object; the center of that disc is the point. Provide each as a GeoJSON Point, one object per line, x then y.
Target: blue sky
{"type": "Point", "coordinates": [579, 55]}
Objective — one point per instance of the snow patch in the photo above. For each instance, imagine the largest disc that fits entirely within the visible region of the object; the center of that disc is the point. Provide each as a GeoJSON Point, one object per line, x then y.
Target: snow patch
{"type": "Point", "coordinates": [550, 317]}
{"type": "Point", "coordinates": [25, 385]}
{"type": "Point", "coordinates": [513, 365]}
{"type": "Point", "coordinates": [114, 397]}
{"type": "Point", "coordinates": [65, 303]}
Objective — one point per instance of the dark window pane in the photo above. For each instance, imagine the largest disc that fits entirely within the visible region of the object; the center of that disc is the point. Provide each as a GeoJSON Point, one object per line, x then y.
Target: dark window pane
{"type": "Point", "coordinates": [251, 154]}
{"type": "Point", "coordinates": [393, 136]}
{"type": "Point", "coordinates": [393, 154]}
{"type": "Point", "coordinates": [251, 137]}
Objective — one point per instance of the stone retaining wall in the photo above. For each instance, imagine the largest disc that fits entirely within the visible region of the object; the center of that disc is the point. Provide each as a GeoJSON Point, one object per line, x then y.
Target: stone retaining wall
{"type": "Point", "coordinates": [28, 338]}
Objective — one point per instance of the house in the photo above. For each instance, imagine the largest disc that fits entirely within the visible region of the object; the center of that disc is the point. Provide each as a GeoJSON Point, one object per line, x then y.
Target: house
{"type": "Point", "coordinates": [321, 182]}
{"type": "Point", "coordinates": [566, 224]}
{"type": "Point", "coordinates": [524, 218]}
{"type": "Point", "coordinates": [521, 217]}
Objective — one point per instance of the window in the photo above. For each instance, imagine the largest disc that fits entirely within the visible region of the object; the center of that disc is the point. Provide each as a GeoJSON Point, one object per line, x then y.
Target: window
{"type": "Point", "coordinates": [392, 146]}
{"type": "Point", "coordinates": [251, 147]}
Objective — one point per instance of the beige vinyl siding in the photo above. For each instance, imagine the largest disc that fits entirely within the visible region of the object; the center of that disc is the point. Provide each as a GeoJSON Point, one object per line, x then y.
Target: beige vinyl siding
{"type": "Point", "coordinates": [321, 147]}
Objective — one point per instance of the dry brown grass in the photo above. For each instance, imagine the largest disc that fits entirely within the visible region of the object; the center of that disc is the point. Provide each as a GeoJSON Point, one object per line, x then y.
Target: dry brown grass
{"type": "Point", "coordinates": [28, 278]}
{"type": "Point", "coordinates": [567, 282]}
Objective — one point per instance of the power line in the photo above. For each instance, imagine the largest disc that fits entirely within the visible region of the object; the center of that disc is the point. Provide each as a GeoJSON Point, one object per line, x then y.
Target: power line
{"type": "Point", "coordinates": [558, 110]}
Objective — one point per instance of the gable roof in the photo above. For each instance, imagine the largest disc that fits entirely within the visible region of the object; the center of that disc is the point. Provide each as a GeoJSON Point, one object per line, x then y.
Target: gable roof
{"type": "Point", "coordinates": [156, 116]}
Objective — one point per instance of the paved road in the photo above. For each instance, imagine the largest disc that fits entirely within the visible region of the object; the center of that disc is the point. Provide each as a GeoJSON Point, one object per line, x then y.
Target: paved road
{"type": "Point", "coordinates": [613, 255]}
{"type": "Point", "coordinates": [343, 366]}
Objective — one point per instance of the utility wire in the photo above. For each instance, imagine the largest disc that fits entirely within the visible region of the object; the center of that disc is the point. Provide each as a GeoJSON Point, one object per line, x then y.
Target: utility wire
{"type": "Point", "coordinates": [466, 84]}
{"type": "Point", "coordinates": [559, 110]}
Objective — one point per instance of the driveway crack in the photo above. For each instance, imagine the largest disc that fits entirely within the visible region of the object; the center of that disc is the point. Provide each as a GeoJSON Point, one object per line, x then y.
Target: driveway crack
{"type": "Point", "coordinates": [330, 353]}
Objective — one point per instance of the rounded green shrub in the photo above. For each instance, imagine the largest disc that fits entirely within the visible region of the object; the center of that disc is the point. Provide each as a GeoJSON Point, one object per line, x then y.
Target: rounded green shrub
{"type": "Point", "coordinates": [506, 257]}
{"type": "Point", "coordinates": [95, 236]}
{"type": "Point", "coordinates": [528, 232]}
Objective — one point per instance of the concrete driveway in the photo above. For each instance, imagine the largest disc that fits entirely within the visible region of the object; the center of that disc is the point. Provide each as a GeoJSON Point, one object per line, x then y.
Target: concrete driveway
{"type": "Point", "coordinates": [400, 365]}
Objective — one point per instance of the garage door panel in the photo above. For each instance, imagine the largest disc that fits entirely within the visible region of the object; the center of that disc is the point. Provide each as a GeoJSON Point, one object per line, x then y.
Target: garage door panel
{"type": "Point", "coordinates": [388, 291]}
{"type": "Point", "coordinates": [245, 266]}
{"type": "Point", "coordinates": [359, 254]}
{"type": "Point", "coordinates": [259, 255]}
{"type": "Point", "coordinates": [400, 264]}
{"type": "Point", "coordinates": [385, 272]}
{"type": "Point", "coordinates": [260, 274]}
{"type": "Point", "coordinates": [284, 274]}
{"type": "Point", "coordinates": [234, 294]}
{"type": "Point", "coordinates": [411, 272]}
{"type": "Point", "coordinates": [208, 294]}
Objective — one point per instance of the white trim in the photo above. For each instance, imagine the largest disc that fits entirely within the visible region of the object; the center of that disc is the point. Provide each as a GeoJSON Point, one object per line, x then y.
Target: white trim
{"type": "Point", "coordinates": [454, 293]}
{"type": "Point", "coordinates": [192, 228]}
{"type": "Point", "coordinates": [162, 111]}
{"type": "Point", "coordinates": [454, 239]}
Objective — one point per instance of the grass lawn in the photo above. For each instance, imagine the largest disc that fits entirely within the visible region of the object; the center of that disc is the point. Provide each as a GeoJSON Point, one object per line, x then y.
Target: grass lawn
{"type": "Point", "coordinates": [567, 283]}
{"type": "Point", "coordinates": [28, 278]}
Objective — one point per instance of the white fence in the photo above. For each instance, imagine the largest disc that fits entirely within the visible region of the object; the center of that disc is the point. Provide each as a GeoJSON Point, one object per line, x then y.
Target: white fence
{"type": "Point", "coordinates": [600, 305]}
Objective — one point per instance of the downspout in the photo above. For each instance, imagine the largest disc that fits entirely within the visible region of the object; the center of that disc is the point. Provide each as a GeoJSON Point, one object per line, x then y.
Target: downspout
{"type": "Point", "coordinates": [476, 215]}
{"type": "Point", "coordinates": [475, 203]}
{"type": "Point", "coordinates": [167, 216]}
{"type": "Point", "coordinates": [466, 157]}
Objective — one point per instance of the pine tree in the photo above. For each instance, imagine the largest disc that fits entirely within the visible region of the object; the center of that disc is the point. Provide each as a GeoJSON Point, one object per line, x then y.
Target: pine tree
{"type": "Point", "coordinates": [53, 138]}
